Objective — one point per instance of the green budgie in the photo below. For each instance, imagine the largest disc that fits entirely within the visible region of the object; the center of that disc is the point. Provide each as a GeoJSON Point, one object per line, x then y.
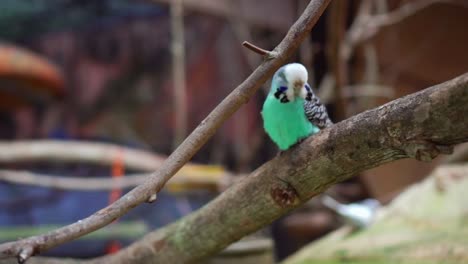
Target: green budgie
{"type": "Point", "coordinates": [291, 111]}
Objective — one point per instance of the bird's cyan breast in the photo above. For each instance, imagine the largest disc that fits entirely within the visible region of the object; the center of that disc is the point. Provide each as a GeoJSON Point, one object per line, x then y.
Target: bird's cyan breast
{"type": "Point", "coordinates": [285, 123]}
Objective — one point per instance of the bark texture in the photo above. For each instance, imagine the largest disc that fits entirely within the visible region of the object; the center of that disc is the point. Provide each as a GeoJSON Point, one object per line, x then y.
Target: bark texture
{"type": "Point", "coordinates": [420, 126]}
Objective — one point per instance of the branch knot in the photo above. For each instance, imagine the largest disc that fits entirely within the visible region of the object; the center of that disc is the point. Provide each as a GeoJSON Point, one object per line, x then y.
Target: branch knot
{"type": "Point", "coordinates": [284, 196]}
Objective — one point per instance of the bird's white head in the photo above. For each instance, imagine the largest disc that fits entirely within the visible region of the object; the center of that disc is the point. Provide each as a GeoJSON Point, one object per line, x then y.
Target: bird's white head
{"type": "Point", "coordinates": [296, 76]}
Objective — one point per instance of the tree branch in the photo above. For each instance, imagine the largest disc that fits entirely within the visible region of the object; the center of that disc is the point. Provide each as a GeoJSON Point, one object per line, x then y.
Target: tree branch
{"type": "Point", "coordinates": [367, 26]}
{"type": "Point", "coordinates": [78, 151]}
{"type": "Point", "coordinates": [257, 49]}
{"type": "Point", "coordinates": [183, 153]}
{"type": "Point", "coordinates": [420, 126]}
{"type": "Point", "coordinates": [178, 71]}
{"type": "Point", "coordinates": [408, 10]}
{"type": "Point", "coordinates": [191, 174]}
{"type": "Point", "coordinates": [106, 183]}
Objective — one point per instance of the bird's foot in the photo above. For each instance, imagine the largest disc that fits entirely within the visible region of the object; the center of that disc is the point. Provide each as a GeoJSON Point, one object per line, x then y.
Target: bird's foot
{"type": "Point", "coordinates": [281, 152]}
{"type": "Point", "coordinates": [298, 142]}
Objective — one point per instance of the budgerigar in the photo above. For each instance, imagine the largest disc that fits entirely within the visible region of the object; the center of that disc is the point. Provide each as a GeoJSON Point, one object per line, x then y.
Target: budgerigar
{"type": "Point", "coordinates": [292, 111]}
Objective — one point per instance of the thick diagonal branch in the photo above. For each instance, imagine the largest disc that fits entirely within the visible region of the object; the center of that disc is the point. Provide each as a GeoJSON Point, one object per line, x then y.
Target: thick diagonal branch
{"type": "Point", "coordinates": [420, 125]}
{"type": "Point", "coordinates": [183, 153]}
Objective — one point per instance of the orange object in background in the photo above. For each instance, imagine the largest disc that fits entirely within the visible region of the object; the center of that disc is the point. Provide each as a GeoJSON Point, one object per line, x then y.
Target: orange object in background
{"type": "Point", "coordinates": [113, 247]}
{"type": "Point", "coordinates": [118, 171]}
{"type": "Point", "coordinates": [26, 78]}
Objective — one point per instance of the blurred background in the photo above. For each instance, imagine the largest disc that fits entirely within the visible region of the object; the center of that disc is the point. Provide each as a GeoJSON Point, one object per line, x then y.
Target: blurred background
{"type": "Point", "coordinates": [140, 75]}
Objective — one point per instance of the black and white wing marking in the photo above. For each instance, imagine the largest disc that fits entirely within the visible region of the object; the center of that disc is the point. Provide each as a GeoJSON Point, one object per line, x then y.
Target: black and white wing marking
{"type": "Point", "coordinates": [315, 111]}
{"type": "Point", "coordinates": [281, 95]}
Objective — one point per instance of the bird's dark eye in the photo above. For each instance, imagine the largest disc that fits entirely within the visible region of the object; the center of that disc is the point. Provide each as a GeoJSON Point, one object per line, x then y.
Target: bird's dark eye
{"type": "Point", "coordinates": [282, 88]}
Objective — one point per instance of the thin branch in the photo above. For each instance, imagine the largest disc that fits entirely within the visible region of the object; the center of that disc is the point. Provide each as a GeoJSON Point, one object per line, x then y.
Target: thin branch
{"type": "Point", "coordinates": [345, 48]}
{"type": "Point", "coordinates": [366, 26]}
{"type": "Point", "coordinates": [407, 10]}
{"type": "Point", "coordinates": [77, 151]}
{"type": "Point", "coordinates": [276, 19]}
{"type": "Point", "coordinates": [185, 151]}
{"type": "Point", "coordinates": [370, 25]}
{"type": "Point", "coordinates": [96, 153]}
{"type": "Point", "coordinates": [256, 49]}
{"type": "Point", "coordinates": [181, 182]}
{"type": "Point", "coordinates": [335, 34]}
{"type": "Point", "coordinates": [178, 71]}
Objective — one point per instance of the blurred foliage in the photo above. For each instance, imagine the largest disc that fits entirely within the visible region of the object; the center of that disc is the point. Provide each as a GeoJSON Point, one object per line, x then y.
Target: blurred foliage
{"type": "Point", "coordinates": [125, 230]}
{"type": "Point", "coordinates": [425, 224]}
